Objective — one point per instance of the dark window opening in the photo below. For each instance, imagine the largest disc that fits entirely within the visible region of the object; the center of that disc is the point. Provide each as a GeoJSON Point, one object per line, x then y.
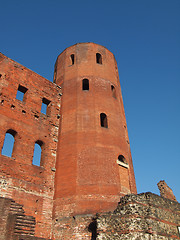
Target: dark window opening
{"type": "Point", "coordinates": [21, 93]}
{"type": "Point", "coordinates": [122, 159]}
{"type": "Point", "coordinates": [44, 106]}
{"type": "Point", "coordinates": [113, 91]}
{"type": "Point", "coordinates": [72, 59]}
{"type": "Point", "coordinates": [8, 143]}
{"type": "Point", "coordinates": [93, 229]}
{"type": "Point", "coordinates": [98, 58]}
{"type": "Point", "coordinates": [37, 153]}
{"type": "Point", "coordinates": [103, 119]}
{"type": "Point", "coordinates": [85, 84]}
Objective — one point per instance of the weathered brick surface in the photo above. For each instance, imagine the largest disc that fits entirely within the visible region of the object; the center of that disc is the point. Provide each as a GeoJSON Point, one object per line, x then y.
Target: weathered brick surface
{"type": "Point", "coordinates": [142, 216]}
{"type": "Point", "coordinates": [28, 184]}
{"type": "Point", "coordinates": [165, 190]}
{"type": "Point", "coordinates": [76, 227]}
{"type": "Point", "coordinates": [14, 224]}
{"type": "Point", "coordinates": [88, 178]}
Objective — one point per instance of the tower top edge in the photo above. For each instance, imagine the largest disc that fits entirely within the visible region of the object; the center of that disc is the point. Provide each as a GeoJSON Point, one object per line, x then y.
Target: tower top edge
{"type": "Point", "coordinates": [83, 43]}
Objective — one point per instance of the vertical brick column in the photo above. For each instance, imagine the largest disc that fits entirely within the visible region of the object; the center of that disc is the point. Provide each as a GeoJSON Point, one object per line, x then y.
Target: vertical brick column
{"type": "Point", "coordinates": [90, 177]}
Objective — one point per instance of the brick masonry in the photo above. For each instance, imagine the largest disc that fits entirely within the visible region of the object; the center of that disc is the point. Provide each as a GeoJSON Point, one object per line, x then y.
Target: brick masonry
{"type": "Point", "coordinates": [86, 164]}
{"type": "Point", "coordinates": [165, 190]}
{"type": "Point", "coordinates": [27, 184]}
{"type": "Point", "coordinates": [14, 224]}
{"type": "Point", "coordinates": [88, 177]}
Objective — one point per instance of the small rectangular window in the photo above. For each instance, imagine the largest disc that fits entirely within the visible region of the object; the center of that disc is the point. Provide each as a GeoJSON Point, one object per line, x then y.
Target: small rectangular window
{"type": "Point", "coordinates": [103, 119]}
{"type": "Point", "coordinates": [98, 58]}
{"type": "Point", "coordinates": [85, 84]}
{"type": "Point", "coordinates": [72, 59]}
{"type": "Point", "coordinates": [44, 106]}
{"type": "Point", "coordinates": [21, 93]}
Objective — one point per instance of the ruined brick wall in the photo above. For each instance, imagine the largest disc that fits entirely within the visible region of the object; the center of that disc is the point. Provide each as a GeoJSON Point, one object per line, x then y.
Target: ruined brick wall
{"type": "Point", "coordinates": [142, 216]}
{"type": "Point", "coordinates": [75, 227]}
{"type": "Point", "coordinates": [29, 185]}
{"type": "Point", "coordinates": [14, 224]}
{"type": "Point", "coordinates": [137, 217]}
{"type": "Point", "coordinates": [165, 190]}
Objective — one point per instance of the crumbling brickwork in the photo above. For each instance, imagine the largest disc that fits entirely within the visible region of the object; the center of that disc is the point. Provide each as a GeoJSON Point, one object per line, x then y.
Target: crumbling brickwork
{"type": "Point", "coordinates": [28, 184]}
{"type": "Point", "coordinates": [165, 190]}
{"type": "Point", "coordinates": [137, 217]}
{"type": "Point", "coordinates": [142, 216]}
{"type": "Point", "coordinates": [14, 224]}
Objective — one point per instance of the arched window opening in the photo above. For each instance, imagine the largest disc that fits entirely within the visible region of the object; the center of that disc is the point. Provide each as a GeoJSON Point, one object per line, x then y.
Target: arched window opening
{"type": "Point", "coordinates": [37, 153]}
{"type": "Point", "coordinates": [8, 143]}
{"type": "Point", "coordinates": [98, 58]}
{"type": "Point", "coordinates": [121, 158]}
{"type": "Point", "coordinates": [122, 161]}
{"type": "Point", "coordinates": [72, 59]}
{"type": "Point", "coordinates": [103, 119]}
{"type": "Point", "coordinates": [113, 90]}
{"type": "Point", "coordinates": [85, 84]}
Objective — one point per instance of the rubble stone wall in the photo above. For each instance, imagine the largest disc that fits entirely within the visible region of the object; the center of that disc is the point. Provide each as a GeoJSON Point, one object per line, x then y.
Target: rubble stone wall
{"type": "Point", "coordinates": [142, 216]}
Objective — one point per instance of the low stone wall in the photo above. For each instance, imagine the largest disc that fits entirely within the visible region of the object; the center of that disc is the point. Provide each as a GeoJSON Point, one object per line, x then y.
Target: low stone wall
{"type": "Point", "coordinates": [142, 216]}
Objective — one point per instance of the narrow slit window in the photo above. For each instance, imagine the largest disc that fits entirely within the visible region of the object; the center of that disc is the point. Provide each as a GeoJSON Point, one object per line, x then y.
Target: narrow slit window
{"type": "Point", "coordinates": [113, 90]}
{"type": "Point", "coordinates": [45, 105]}
{"type": "Point", "coordinates": [103, 120]}
{"type": "Point", "coordinates": [21, 93]}
{"type": "Point", "coordinates": [85, 84]}
{"type": "Point", "coordinates": [37, 153]}
{"type": "Point", "coordinates": [98, 58]}
{"type": "Point", "coordinates": [72, 59]}
{"type": "Point", "coordinates": [8, 143]}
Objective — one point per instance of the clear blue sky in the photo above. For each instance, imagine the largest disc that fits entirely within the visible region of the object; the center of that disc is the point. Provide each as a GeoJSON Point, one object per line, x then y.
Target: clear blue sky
{"type": "Point", "coordinates": [144, 36]}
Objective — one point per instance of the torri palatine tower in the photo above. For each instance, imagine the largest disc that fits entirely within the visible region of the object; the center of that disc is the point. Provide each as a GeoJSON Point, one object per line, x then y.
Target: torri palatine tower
{"type": "Point", "coordinates": [93, 166]}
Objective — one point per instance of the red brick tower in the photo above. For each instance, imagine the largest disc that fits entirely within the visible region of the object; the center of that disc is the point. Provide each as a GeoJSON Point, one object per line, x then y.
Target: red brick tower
{"type": "Point", "coordinates": [94, 166]}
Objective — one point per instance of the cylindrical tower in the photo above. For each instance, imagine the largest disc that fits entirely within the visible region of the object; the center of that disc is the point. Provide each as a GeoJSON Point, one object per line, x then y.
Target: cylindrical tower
{"type": "Point", "coordinates": [94, 166]}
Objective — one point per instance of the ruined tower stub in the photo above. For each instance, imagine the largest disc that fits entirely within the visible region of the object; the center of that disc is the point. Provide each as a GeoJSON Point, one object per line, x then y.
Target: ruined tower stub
{"type": "Point", "coordinates": [94, 166]}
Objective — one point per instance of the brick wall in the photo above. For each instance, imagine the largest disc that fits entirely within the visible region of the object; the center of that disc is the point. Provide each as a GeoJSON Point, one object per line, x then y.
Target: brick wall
{"type": "Point", "coordinates": [28, 184]}
{"type": "Point", "coordinates": [165, 190]}
{"type": "Point", "coordinates": [14, 224]}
